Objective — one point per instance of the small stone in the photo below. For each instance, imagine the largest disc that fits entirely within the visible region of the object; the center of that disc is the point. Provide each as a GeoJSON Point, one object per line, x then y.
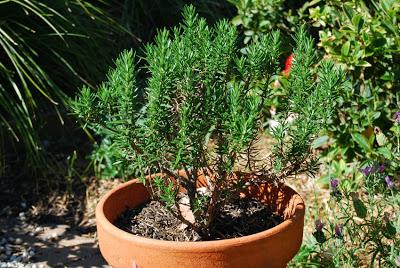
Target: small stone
{"type": "Point", "coordinates": [21, 214]}
{"type": "Point", "coordinates": [31, 253]}
{"type": "Point", "coordinates": [2, 249]}
{"type": "Point", "coordinates": [18, 241]}
{"type": "Point", "coordinates": [25, 254]}
{"type": "Point", "coordinates": [23, 205]}
{"type": "Point", "coordinates": [38, 230]}
{"type": "Point", "coordinates": [34, 266]}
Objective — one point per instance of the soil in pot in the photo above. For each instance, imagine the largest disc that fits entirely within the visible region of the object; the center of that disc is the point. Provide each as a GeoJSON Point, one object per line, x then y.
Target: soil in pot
{"type": "Point", "coordinates": [239, 218]}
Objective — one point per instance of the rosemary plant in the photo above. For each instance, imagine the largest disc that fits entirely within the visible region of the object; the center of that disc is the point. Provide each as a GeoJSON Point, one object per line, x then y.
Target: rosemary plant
{"type": "Point", "coordinates": [202, 114]}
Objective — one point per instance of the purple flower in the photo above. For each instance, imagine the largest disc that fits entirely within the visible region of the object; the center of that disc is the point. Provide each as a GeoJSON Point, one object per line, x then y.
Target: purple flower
{"type": "Point", "coordinates": [381, 168]}
{"type": "Point", "coordinates": [367, 170]}
{"type": "Point", "coordinates": [334, 183]}
{"type": "Point", "coordinates": [397, 117]}
{"type": "Point", "coordinates": [339, 230]}
{"type": "Point", "coordinates": [389, 182]}
{"type": "Point", "coordinates": [319, 225]}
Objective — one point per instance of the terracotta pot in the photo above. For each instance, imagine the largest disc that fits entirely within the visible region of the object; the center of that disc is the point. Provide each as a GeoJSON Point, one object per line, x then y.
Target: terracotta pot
{"type": "Point", "coordinates": [271, 248]}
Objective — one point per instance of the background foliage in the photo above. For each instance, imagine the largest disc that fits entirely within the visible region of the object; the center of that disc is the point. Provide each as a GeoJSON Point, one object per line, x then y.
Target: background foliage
{"type": "Point", "coordinates": [364, 38]}
{"type": "Point", "coordinates": [46, 50]}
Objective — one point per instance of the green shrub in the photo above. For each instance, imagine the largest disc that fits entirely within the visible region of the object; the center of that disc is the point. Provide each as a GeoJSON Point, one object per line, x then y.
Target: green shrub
{"type": "Point", "coordinates": [364, 38]}
{"type": "Point", "coordinates": [202, 112]}
{"type": "Point", "coordinates": [361, 225]}
{"type": "Point", "coordinates": [142, 18]}
{"type": "Point", "coordinates": [364, 207]}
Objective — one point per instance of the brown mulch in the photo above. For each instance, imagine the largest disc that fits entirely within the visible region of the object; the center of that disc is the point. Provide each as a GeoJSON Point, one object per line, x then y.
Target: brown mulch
{"type": "Point", "coordinates": [237, 219]}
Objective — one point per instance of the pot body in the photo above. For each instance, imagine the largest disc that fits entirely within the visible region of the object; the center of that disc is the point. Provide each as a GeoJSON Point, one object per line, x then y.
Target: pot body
{"type": "Point", "coordinates": [271, 248]}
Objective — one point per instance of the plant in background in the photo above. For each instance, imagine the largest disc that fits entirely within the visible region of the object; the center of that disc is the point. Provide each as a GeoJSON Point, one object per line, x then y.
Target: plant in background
{"type": "Point", "coordinates": [257, 16]}
{"type": "Point", "coordinates": [381, 148]}
{"type": "Point", "coordinates": [361, 227]}
{"type": "Point", "coordinates": [202, 114]}
{"type": "Point", "coordinates": [364, 38]}
{"type": "Point", "coordinates": [105, 160]}
{"type": "Point", "coordinates": [47, 48]}
{"type": "Point", "coordinates": [361, 35]}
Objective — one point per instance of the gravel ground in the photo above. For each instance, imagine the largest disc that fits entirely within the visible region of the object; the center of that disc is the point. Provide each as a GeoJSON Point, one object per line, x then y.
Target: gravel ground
{"type": "Point", "coordinates": [55, 230]}
{"type": "Point", "coordinates": [25, 244]}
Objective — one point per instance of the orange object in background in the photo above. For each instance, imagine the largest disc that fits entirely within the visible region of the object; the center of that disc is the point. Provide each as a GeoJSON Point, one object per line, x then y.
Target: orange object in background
{"type": "Point", "coordinates": [288, 65]}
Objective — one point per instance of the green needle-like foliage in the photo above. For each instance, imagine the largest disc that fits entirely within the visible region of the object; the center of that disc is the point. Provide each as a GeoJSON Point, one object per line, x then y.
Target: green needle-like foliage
{"type": "Point", "coordinates": [202, 113]}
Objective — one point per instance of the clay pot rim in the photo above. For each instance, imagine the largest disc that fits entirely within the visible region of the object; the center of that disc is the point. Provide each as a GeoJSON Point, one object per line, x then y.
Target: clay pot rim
{"type": "Point", "coordinates": [190, 245]}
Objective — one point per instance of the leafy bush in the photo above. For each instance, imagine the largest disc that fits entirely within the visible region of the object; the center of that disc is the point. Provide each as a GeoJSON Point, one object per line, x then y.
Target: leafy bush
{"type": "Point", "coordinates": [105, 160]}
{"type": "Point", "coordinates": [364, 38]}
{"type": "Point", "coordinates": [257, 17]}
{"type": "Point", "coordinates": [202, 113]}
{"type": "Point", "coordinates": [361, 225]}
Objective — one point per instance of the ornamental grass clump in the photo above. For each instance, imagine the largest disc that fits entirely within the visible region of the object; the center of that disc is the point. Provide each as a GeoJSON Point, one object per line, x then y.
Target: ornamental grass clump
{"type": "Point", "coordinates": [200, 114]}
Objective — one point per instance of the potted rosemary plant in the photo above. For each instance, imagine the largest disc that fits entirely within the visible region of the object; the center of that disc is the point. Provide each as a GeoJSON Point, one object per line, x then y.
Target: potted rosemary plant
{"type": "Point", "coordinates": [193, 137]}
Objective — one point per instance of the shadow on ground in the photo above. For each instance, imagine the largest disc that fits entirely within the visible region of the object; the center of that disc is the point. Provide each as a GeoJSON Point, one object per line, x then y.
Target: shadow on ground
{"type": "Point", "coordinates": [55, 245]}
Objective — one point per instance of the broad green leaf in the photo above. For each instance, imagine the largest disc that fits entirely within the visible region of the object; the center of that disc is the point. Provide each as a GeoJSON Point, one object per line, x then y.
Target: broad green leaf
{"type": "Point", "coordinates": [385, 152]}
{"type": "Point", "coordinates": [362, 142]}
{"type": "Point", "coordinates": [381, 139]}
{"type": "Point", "coordinates": [319, 142]}
{"type": "Point", "coordinates": [348, 11]}
{"type": "Point", "coordinates": [389, 231]}
{"type": "Point", "coordinates": [237, 20]}
{"type": "Point", "coordinates": [364, 63]}
{"type": "Point", "coordinates": [358, 22]}
{"type": "Point", "coordinates": [345, 49]}
{"type": "Point", "coordinates": [360, 208]}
